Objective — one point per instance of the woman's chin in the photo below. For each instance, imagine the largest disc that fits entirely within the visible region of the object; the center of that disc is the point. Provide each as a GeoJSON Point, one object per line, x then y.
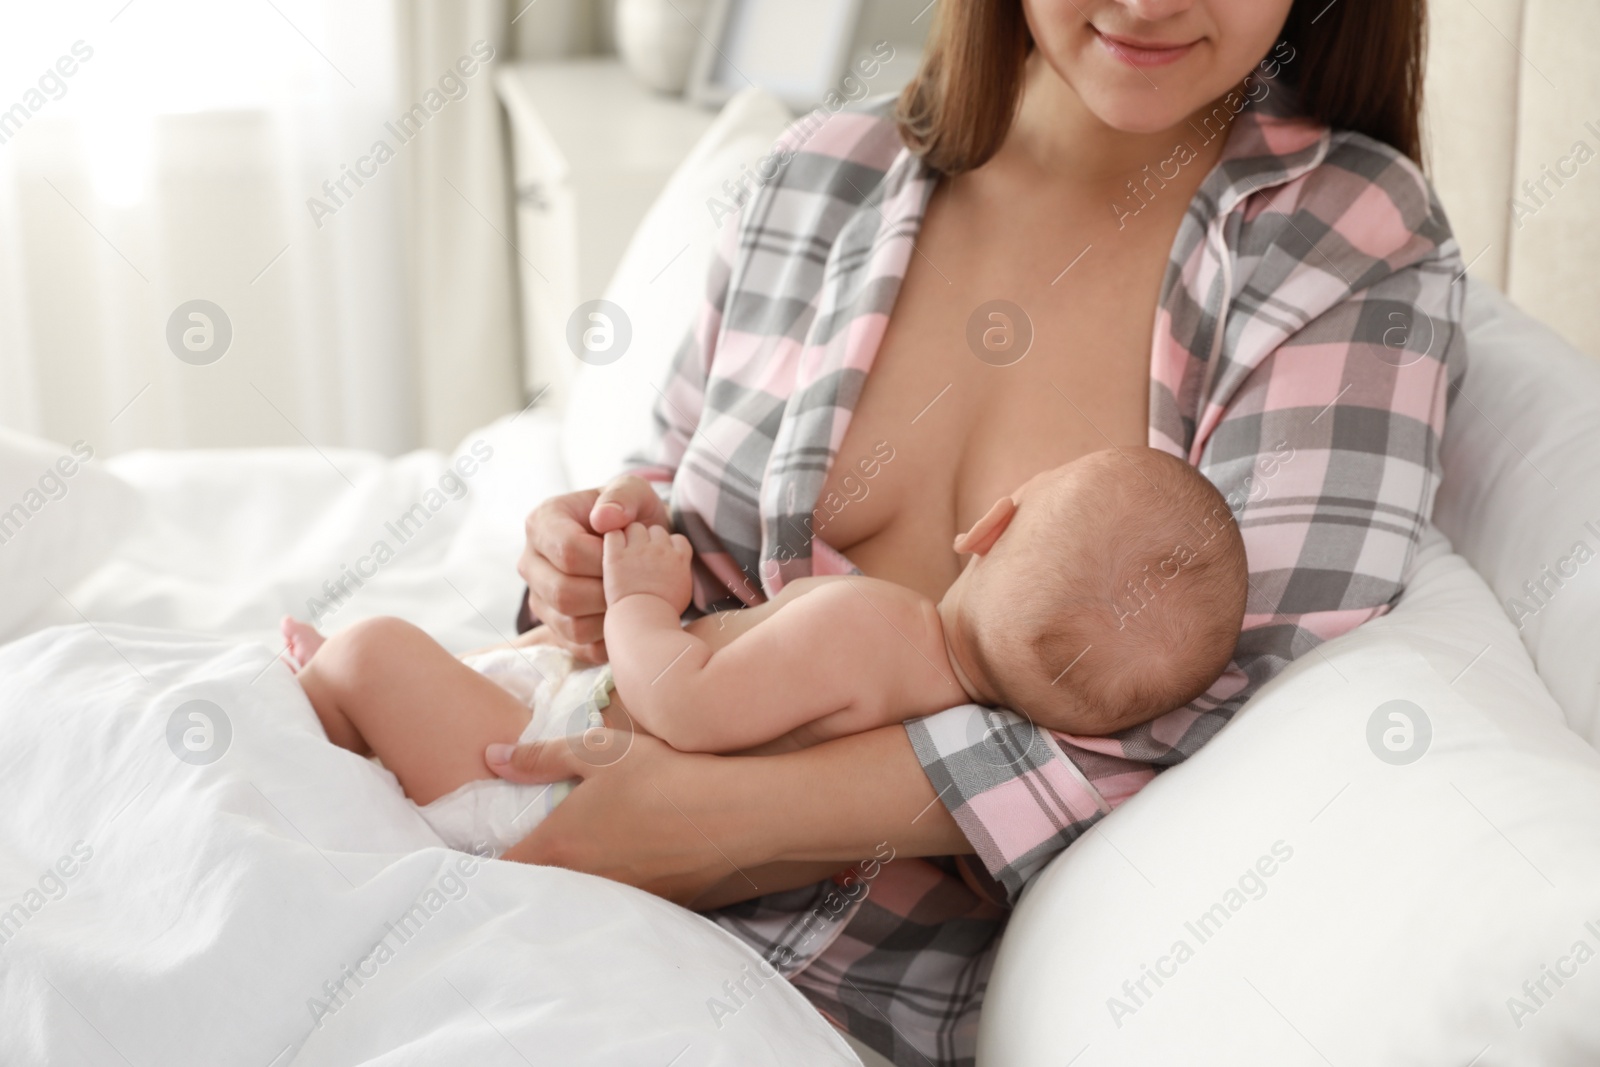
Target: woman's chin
{"type": "Point", "coordinates": [1136, 111]}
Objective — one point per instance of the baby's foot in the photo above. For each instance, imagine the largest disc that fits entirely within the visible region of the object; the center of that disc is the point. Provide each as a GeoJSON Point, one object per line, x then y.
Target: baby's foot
{"type": "Point", "coordinates": [301, 641]}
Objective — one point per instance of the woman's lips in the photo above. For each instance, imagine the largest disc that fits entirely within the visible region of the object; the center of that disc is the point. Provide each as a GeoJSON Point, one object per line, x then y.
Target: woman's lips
{"type": "Point", "coordinates": [1143, 53]}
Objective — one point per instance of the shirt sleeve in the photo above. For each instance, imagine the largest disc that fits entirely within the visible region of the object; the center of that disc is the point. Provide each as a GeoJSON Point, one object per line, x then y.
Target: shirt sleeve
{"type": "Point", "coordinates": [680, 400]}
{"type": "Point", "coordinates": [1327, 450]}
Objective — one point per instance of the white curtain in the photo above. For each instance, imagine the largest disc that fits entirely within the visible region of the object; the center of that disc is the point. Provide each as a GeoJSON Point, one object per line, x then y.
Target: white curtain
{"type": "Point", "coordinates": [462, 259]}
{"type": "Point", "coordinates": [203, 151]}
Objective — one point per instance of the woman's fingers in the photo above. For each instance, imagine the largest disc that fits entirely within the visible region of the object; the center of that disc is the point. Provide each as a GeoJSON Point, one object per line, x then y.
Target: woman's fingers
{"type": "Point", "coordinates": [576, 632]}
{"type": "Point", "coordinates": [573, 633]}
{"type": "Point", "coordinates": [625, 500]}
{"type": "Point", "coordinates": [650, 824]}
{"type": "Point", "coordinates": [558, 531]}
{"type": "Point", "coordinates": [537, 762]}
{"type": "Point", "coordinates": [563, 556]}
{"type": "Point", "coordinates": [564, 594]}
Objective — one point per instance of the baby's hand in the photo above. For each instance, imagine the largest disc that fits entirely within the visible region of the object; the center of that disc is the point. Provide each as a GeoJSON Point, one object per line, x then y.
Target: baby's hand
{"type": "Point", "coordinates": [647, 559]}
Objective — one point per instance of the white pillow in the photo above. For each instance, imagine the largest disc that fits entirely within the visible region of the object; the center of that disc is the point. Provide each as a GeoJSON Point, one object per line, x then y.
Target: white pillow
{"type": "Point", "coordinates": [61, 514]}
{"type": "Point", "coordinates": [1521, 492]}
{"type": "Point", "coordinates": [1370, 912]}
{"type": "Point", "coordinates": [660, 285]}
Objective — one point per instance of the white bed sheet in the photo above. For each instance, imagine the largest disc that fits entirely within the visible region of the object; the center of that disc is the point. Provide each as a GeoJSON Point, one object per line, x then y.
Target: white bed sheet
{"type": "Point", "coordinates": [157, 910]}
{"type": "Point", "coordinates": [216, 900]}
{"type": "Point", "coordinates": [229, 541]}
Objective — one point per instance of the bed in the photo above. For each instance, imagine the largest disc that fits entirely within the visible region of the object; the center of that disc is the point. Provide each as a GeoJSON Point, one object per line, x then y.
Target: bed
{"type": "Point", "coordinates": [190, 873]}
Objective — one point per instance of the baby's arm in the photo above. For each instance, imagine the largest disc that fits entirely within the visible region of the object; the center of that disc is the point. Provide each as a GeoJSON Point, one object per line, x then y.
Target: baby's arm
{"type": "Point", "coordinates": [844, 657]}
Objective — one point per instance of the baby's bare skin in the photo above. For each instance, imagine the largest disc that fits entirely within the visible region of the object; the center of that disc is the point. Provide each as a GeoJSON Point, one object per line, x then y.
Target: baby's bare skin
{"type": "Point", "coordinates": [717, 631]}
{"type": "Point", "coordinates": [826, 657]}
{"type": "Point", "coordinates": [832, 656]}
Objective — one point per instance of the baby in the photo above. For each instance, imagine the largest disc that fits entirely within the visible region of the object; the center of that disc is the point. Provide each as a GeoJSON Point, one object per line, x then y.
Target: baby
{"type": "Point", "coordinates": [1098, 596]}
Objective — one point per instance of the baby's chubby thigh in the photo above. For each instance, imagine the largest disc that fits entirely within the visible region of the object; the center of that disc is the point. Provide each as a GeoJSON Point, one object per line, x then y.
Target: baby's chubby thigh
{"type": "Point", "coordinates": [568, 703]}
{"type": "Point", "coordinates": [423, 712]}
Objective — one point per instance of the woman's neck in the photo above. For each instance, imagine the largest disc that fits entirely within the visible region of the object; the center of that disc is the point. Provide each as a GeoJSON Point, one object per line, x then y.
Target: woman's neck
{"type": "Point", "coordinates": [1055, 134]}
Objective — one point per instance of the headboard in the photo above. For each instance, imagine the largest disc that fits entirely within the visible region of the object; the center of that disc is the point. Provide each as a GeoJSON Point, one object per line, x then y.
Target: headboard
{"type": "Point", "coordinates": [1513, 132]}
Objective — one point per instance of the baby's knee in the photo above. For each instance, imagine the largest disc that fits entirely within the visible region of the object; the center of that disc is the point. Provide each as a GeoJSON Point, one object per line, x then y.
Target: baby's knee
{"type": "Point", "coordinates": [369, 647]}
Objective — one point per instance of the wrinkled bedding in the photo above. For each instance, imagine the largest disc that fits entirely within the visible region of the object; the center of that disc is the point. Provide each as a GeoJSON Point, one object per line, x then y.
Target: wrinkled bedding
{"type": "Point", "coordinates": [191, 874]}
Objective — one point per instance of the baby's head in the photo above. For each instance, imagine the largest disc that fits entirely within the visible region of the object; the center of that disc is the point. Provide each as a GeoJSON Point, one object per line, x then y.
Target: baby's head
{"type": "Point", "coordinates": [1100, 595]}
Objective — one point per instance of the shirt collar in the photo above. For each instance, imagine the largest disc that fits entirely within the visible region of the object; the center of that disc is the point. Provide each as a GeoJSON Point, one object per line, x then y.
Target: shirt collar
{"type": "Point", "coordinates": [1270, 143]}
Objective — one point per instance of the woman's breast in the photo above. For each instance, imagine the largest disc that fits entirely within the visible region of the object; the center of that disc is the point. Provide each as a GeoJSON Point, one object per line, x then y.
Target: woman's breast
{"type": "Point", "coordinates": [996, 364]}
{"type": "Point", "coordinates": [939, 435]}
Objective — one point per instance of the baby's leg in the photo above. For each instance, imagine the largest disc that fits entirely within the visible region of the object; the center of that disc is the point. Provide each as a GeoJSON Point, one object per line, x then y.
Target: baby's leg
{"type": "Point", "coordinates": [300, 641]}
{"type": "Point", "coordinates": [384, 687]}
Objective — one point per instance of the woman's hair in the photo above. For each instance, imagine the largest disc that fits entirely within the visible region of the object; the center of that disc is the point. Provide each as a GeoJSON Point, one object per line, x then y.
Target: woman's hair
{"type": "Point", "coordinates": [1355, 67]}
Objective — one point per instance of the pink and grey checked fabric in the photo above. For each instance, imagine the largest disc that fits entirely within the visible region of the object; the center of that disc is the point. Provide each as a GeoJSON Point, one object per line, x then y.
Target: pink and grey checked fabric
{"type": "Point", "coordinates": [1307, 340]}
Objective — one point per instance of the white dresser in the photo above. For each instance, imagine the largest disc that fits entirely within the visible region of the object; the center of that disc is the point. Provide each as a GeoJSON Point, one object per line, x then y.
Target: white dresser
{"type": "Point", "coordinates": [592, 149]}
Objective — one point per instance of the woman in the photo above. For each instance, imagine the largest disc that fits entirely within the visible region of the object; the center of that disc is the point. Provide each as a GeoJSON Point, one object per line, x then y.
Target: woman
{"type": "Point", "coordinates": [1197, 224]}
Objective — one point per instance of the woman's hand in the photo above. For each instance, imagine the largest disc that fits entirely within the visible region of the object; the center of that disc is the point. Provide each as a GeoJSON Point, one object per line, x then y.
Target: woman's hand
{"type": "Point", "coordinates": [678, 825]}
{"type": "Point", "coordinates": [561, 559]}
{"type": "Point", "coordinates": [640, 814]}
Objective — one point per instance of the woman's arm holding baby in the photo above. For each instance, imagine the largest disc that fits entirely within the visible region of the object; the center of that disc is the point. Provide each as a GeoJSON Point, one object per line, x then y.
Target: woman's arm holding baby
{"type": "Point", "coordinates": [679, 824]}
{"type": "Point", "coordinates": [840, 659]}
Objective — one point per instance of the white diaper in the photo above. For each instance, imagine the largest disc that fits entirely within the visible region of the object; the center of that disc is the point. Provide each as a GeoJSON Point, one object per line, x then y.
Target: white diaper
{"type": "Point", "coordinates": [565, 702]}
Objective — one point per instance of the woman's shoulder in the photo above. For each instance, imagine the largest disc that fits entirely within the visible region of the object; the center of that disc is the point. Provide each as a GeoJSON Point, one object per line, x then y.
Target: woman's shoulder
{"type": "Point", "coordinates": [826, 171]}
{"type": "Point", "coordinates": [1381, 188]}
{"type": "Point", "coordinates": [1362, 203]}
{"type": "Point", "coordinates": [1329, 237]}
{"type": "Point", "coordinates": [859, 138]}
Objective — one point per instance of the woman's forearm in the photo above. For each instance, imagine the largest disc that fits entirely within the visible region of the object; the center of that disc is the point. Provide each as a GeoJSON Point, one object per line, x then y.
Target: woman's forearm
{"type": "Point", "coordinates": [837, 801]}
{"type": "Point", "coordinates": [769, 877]}
{"type": "Point", "coordinates": [688, 827]}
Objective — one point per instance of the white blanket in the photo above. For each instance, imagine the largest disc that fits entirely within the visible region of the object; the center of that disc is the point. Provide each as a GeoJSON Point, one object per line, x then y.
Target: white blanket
{"type": "Point", "coordinates": [224, 543]}
{"type": "Point", "coordinates": [233, 889]}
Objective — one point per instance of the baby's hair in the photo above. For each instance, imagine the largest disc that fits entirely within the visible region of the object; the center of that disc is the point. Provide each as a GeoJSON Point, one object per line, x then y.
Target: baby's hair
{"type": "Point", "coordinates": [1141, 614]}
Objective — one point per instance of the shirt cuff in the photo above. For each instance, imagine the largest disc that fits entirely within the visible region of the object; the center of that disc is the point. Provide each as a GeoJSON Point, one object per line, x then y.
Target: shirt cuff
{"type": "Point", "coordinates": [1010, 785]}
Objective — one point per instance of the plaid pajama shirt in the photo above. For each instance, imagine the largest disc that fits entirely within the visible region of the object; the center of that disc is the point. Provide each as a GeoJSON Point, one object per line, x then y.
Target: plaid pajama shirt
{"type": "Point", "coordinates": [1306, 339]}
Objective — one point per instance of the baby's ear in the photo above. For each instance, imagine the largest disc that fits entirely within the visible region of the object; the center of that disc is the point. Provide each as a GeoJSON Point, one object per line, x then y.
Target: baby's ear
{"type": "Point", "coordinates": [987, 530]}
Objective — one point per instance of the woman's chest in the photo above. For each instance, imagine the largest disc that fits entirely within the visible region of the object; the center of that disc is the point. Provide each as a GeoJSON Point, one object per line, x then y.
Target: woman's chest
{"type": "Point", "coordinates": [1012, 348]}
